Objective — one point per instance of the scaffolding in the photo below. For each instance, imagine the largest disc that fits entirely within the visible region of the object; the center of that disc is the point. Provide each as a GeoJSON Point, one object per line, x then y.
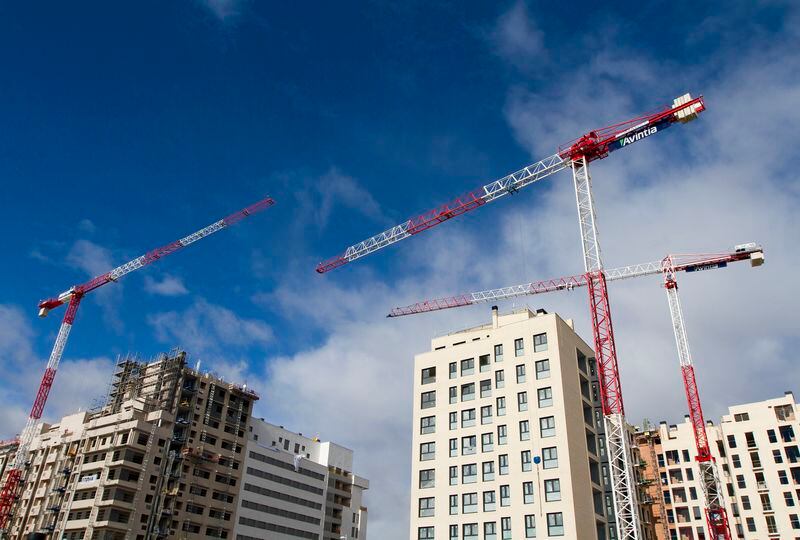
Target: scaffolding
{"type": "Point", "coordinates": [157, 382]}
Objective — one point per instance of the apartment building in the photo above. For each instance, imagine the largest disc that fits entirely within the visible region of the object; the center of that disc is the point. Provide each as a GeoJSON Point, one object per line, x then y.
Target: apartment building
{"type": "Point", "coordinates": [161, 459]}
{"type": "Point", "coordinates": [506, 441]}
{"type": "Point", "coordinates": [758, 459]}
{"type": "Point", "coordinates": [299, 487]}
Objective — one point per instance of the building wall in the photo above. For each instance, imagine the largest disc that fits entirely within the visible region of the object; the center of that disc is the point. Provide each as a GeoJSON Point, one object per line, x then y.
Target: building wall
{"type": "Point", "coordinates": [307, 487]}
{"type": "Point", "coordinates": [568, 400]}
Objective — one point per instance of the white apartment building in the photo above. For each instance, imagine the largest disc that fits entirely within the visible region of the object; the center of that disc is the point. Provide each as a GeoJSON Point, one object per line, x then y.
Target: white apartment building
{"type": "Point", "coordinates": [758, 460]}
{"type": "Point", "coordinates": [298, 487]}
{"type": "Point", "coordinates": [504, 443]}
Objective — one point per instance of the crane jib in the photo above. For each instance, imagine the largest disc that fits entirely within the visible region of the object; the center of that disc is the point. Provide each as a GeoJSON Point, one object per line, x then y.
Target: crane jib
{"type": "Point", "coordinates": [637, 134]}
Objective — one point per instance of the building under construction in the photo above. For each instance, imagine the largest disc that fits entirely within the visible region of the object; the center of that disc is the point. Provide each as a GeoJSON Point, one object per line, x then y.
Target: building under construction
{"type": "Point", "coordinates": [161, 458]}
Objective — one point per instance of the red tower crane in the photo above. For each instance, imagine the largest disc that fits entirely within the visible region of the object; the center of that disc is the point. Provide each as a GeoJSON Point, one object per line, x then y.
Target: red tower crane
{"type": "Point", "coordinates": [576, 155]}
{"type": "Point", "coordinates": [669, 266]}
{"type": "Point", "coordinates": [72, 297]}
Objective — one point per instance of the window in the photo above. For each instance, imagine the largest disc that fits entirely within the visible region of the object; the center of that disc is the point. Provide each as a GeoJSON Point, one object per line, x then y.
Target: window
{"type": "Point", "coordinates": [787, 433]}
{"type": "Point", "coordinates": [547, 426]}
{"type": "Point", "coordinates": [468, 366]}
{"type": "Point", "coordinates": [741, 417]}
{"type": "Point", "coordinates": [751, 441]}
{"type": "Point", "coordinates": [545, 397]}
{"type": "Point", "coordinates": [425, 533]}
{"type": "Point", "coordinates": [469, 473]}
{"type": "Point", "coordinates": [755, 460]}
{"type": "Point", "coordinates": [795, 521]}
{"type": "Point", "coordinates": [784, 412]}
{"type": "Point", "coordinates": [771, 436]}
{"type": "Point", "coordinates": [490, 530]}
{"type": "Point", "coordinates": [740, 481]}
{"type": "Point", "coordinates": [498, 353]}
{"type": "Point", "coordinates": [429, 375]}
{"type": "Point", "coordinates": [486, 388]}
{"type": "Point", "coordinates": [524, 430]}
{"type": "Point", "coordinates": [429, 399]}
{"type": "Point", "coordinates": [453, 420]}
{"type": "Point", "coordinates": [555, 524]}
{"type": "Point", "coordinates": [751, 524]}
{"type": "Point", "coordinates": [530, 526]}
{"type": "Point", "coordinates": [552, 490]}
{"type": "Point", "coordinates": [776, 456]}
{"type": "Point", "coordinates": [737, 463]}
{"type": "Point", "coordinates": [427, 425]}
{"type": "Point", "coordinates": [788, 499]}
{"type": "Point", "coordinates": [502, 434]}
{"type": "Point", "coordinates": [782, 478]}
{"type": "Point", "coordinates": [468, 392]}
{"type": "Point", "coordinates": [501, 406]}
{"type": "Point", "coordinates": [505, 528]}
{"type": "Point", "coordinates": [540, 343]}
{"type": "Point", "coordinates": [731, 441]}
{"type": "Point", "coordinates": [502, 463]}
{"type": "Point", "coordinates": [454, 475]}
{"type": "Point", "coordinates": [488, 471]}
{"type": "Point", "coordinates": [469, 445]}
{"type": "Point", "coordinates": [467, 418]}
{"type": "Point", "coordinates": [486, 414]}
{"type": "Point", "coordinates": [542, 369]}
{"type": "Point", "coordinates": [427, 478]}
{"type": "Point", "coordinates": [488, 501]}
{"type": "Point", "coordinates": [527, 492]}
{"type": "Point", "coordinates": [453, 505]}
{"type": "Point", "coordinates": [522, 401]}
{"type": "Point", "coordinates": [469, 503]}
{"type": "Point", "coordinates": [453, 394]}
{"type": "Point", "coordinates": [483, 363]}
{"type": "Point", "coordinates": [453, 532]}
{"type": "Point", "coordinates": [470, 531]}
{"type": "Point", "coordinates": [427, 451]}
{"type": "Point", "coordinates": [521, 373]}
{"type": "Point", "coordinates": [453, 447]}
{"type": "Point", "coordinates": [519, 347]}
{"type": "Point", "coordinates": [499, 378]}
{"type": "Point", "coordinates": [772, 527]}
{"type": "Point", "coordinates": [526, 460]}
{"type": "Point", "coordinates": [426, 507]}
{"type": "Point", "coordinates": [453, 370]}
{"type": "Point", "coordinates": [549, 458]}
{"type": "Point", "coordinates": [487, 442]}
{"type": "Point", "coordinates": [505, 495]}
{"type": "Point", "coordinates": [746, 502]}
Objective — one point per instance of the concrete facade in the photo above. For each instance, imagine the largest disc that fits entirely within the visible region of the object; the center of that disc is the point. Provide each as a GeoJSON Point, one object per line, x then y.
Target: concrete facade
{"type": "Point", "coordinates": [758, 460]}
{"type": "Point", "coordinates": [299, 487]}
{"type": "Point", "coordinates": [505, 441]}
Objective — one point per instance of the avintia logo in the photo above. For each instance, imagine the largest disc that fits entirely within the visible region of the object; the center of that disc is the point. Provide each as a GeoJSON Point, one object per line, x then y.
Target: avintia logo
{"type": "Point", "coordinates": [638, 136]}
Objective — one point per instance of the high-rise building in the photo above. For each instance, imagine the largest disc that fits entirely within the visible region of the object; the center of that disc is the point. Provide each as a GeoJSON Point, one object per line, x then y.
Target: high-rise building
{"type": "Point", "coordinates": [175, 453]}
{"type": "Point", "coordinates": [506, 441]}
{"type": "Point", "coordinates": [162, 458]}
{"type": "Point", "coordinates": [758, 460]}
{"type": "Point", "coordinates": [299, 487]}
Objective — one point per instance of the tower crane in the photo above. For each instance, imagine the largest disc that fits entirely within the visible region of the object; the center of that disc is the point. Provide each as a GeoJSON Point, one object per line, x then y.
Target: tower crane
{"type": "Point", "coordinates": [72, 297]}
{"type": "Point", "coordinates": [669, 266]}
{"type": "Point", "coordinates": [576, 155]}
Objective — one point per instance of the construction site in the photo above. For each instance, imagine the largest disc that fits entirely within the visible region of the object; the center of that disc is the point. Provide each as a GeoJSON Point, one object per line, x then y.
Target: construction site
{"type": "Point", "coordinates": [512, 426]}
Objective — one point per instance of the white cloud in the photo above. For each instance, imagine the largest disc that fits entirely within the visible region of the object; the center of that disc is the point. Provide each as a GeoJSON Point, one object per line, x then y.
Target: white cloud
{"type": "Point", "coordinates": [225, 10]}
{"type": "Point", "coordinates": [322, 195]}
{"type": "Point", "coordinates": [77, 384]}
{"type": "Point", "coordinates": [517, 37]}
{"type": "Point", "coordinates": [94, 260]}
{"type": "Point", "coordinates": [168, 286]}
{"type": "Point", "coordinates": [209, 331]}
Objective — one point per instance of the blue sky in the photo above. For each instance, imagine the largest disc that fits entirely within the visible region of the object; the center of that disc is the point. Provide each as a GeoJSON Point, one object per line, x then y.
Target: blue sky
{"type": "Point", "coordinates": [127, 126]}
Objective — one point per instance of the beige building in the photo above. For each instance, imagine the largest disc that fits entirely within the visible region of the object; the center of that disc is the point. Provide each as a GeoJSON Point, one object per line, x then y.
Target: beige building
{"type": "Point", "coordinates": [756, 449]}
{"type": "Point", "coordinates": [161, 459]}
{"type": "Point", "coordinates": [299, 487]}
{"type": "Point", "coordinates": [505, 443]}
